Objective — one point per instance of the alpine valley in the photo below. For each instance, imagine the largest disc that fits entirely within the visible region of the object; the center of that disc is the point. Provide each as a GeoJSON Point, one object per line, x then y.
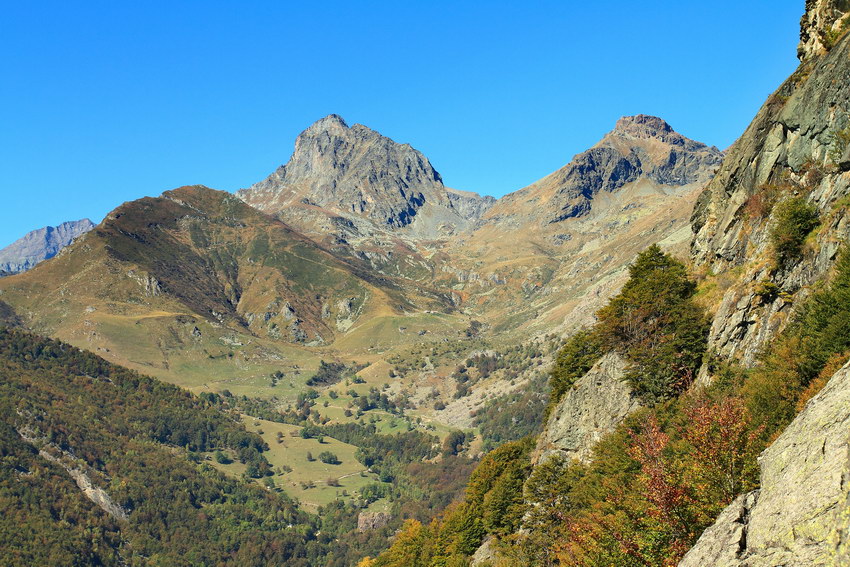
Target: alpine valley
{"type": "Point", "coordinates": [639, 359]}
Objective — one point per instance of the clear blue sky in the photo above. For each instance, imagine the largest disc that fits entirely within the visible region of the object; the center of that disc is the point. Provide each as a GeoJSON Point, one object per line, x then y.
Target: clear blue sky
{"type": "Point", "coordinates": [104, 102]}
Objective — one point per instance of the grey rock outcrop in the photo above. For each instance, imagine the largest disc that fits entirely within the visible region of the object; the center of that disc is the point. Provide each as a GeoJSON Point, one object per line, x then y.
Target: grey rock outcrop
{"type": "Point", "coordinates": [40, 245]}
{"type": "Point", "coordinates": [368, 521]}
{"type": "Point", "coordinates": [469, 205]}
{"type": "Point", "coordinates": [801, 514]}
{"type": "Point", "coordinates": [94, 493]}
{"type": "Point", "coordinates": [822, 18]}
{"type": "Point", "coordinates": [598, 402]}
{"type": "Point", "coordinates": [485, 554]}
{"type": "Point", "coordinates": [76, 469]}
{"type": "Point", "coordinates": [358, 174]}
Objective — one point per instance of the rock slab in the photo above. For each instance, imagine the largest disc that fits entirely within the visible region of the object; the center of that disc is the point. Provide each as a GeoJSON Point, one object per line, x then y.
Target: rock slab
{"type": "Point", "coordinates": [598, 402]}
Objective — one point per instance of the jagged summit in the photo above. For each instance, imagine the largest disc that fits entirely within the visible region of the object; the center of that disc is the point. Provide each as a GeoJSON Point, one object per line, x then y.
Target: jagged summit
{"type": "Point", "coordinates": [328, 122]}
{"type": "Point", "coordinates": [650, 128]}
{"type": "Point", "coordinates": [332, 126]}
{"type": "Point", "coordinates": [358, 174]}
{"type": "Point", "coordinates": [646, 127]}
{"type": "Point", "coordinates": [643, 125]}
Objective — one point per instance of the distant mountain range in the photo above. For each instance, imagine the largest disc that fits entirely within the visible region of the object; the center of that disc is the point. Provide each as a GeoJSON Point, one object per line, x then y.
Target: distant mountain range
{"type": "Point", "coordinates": [356, 246]}
{"type": "Point", "coordinates": [40, 245]}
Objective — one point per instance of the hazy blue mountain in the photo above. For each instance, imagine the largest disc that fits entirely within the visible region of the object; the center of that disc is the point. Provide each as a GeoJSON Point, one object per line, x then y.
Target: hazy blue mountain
{"type": "Point", "coordinates": [40, 245]}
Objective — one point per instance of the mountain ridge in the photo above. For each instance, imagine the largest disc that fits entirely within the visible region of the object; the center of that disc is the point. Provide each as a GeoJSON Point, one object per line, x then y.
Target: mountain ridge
{"type": "Point", "coordinates": [40, 244]}
{"type": "Point", "coordinates": [196, 265]}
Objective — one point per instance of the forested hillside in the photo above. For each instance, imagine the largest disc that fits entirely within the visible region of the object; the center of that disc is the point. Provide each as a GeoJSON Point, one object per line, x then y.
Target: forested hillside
{"type": "Point", "coordinates": [103, 466]}
{"type": "Point", "coordinates": [74, 425]}
{"type": "Point", "coordinates": [654, 484]}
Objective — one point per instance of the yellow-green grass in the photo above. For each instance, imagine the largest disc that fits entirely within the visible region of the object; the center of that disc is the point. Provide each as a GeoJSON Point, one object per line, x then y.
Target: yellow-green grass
{"type": "Point", "coordinates": [215, 361]}
{"type": "Point", "coordinates": [380, 505]}
{"type": "Point", "coordinates": [292, 452]}
{"type": "Point", "coordinates": [431, 425]}
{"type": "Point", "coordinates": [382, 332]}
{"type": "Point", "coordinates": [384, 421]}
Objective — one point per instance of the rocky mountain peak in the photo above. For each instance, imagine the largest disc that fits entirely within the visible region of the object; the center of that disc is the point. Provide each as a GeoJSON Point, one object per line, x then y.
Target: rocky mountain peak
{"type": "Point", "coordinates": [357, 173]}
{"type": "Point", "coordinates": [642, 126]}
{"type": "Point", "coordinates": [635, 130]}
{"type": "Point", "coordinates": [638, 147]}
{"type": "Point", "coordinates": [330, 123]}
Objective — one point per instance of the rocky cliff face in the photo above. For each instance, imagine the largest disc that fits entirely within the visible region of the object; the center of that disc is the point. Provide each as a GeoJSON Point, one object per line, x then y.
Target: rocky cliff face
{"type": "Point", "coordinates": [598, 402]}
{"type": "Point", "coordinates": [357, 173]}
{"type": "Point", "coordinates": [40, 245]}
{"type": "Point", "coordinates": [801, 514]}
{"type": "Point", "coordinates": [794, 147]}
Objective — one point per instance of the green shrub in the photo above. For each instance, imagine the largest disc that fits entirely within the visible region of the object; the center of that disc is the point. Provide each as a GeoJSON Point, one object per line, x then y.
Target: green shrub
{"type": "Point", "coordinates": [329, 458]}
{"type": "Point", "coordinates": [576, 357]}
{"type": "Point", "coordinates": [794, 219]}
{"type": "Point", "coordinates": [767, 290]}
{"type": "Point", "coordinates": [655, 323]}
{"type": "Point", "coordinates": [834, 35]}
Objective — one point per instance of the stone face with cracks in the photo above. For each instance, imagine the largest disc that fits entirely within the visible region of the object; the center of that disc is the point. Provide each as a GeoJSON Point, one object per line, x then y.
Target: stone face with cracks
{"type": "Point", "coordinates": [790, 145]}
{"type": "Point", "coordinates": [822, 18]}
{"type": "Point", "coordinates": [598, 402]}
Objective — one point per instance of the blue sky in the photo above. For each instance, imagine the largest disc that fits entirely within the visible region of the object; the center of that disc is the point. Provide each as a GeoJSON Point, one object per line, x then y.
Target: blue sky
{"type": "Point", "coordinates": [104, 102]}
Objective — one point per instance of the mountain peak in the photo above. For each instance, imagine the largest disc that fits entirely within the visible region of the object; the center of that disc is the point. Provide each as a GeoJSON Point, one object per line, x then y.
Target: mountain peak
{"type": "Point", "coordinates": [643, 126]}
{"type": "Point", "coordinates": [639, 146]}
{"type": "Point", "coordinates": [650, 133]}
{"type": "Point", "coordinates": [331, 122]}
{"type": "Point", "coordinates": [351, 171]}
